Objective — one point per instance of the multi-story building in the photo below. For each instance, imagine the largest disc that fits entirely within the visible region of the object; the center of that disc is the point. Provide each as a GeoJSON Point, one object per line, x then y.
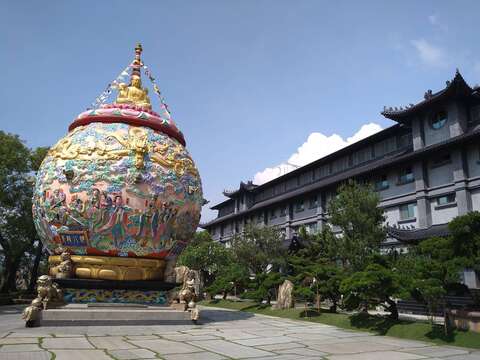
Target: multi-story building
{"type": "Point", "coordinates": [426, 169]}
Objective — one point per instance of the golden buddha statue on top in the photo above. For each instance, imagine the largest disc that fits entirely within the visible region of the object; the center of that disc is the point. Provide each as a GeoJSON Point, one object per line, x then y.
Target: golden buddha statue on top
{"type": "Point", "coordinates": [134, 94]}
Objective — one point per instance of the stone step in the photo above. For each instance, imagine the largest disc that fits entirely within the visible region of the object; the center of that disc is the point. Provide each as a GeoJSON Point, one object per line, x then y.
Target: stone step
{"type": "Point", "coordinates": [84, 315]}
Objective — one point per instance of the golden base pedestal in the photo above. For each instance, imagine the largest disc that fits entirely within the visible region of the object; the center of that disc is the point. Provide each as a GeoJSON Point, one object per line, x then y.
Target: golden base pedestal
{"type": "Point", "coordinates": [112, 268]}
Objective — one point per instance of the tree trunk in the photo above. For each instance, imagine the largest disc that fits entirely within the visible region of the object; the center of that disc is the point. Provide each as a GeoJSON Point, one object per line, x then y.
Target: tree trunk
{"type": "Point", "coordinates": [36, 264]}
{"type": "Point", "coordinates": [224, 295]}
{"type": "Point", "coordinates": [392, 307]}
{"type": "Point", "coordinates": [333, 308]}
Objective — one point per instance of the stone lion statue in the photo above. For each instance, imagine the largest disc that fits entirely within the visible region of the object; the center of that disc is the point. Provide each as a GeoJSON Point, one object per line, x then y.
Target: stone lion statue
{"type": "Point", "coordinates": [187, 294]}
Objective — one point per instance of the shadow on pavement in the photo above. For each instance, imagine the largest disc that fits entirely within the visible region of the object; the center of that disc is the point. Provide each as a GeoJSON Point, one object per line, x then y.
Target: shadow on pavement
{"type": "Point", "coordinates": [218, 315]}
{"type": "Point", "coordinates": [12, 309]}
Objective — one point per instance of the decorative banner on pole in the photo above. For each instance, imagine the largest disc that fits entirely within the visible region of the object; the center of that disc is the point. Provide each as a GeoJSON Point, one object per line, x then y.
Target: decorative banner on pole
{"type": "Point", "coordinates": [157, 91]}
{"type": "Point", "coordinates": [102, 98]}
{"type": "Point", "coordinates": [99, 100]}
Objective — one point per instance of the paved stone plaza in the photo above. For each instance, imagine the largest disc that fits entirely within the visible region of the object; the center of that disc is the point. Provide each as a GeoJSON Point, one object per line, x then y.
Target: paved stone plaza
{"type": "Point", "coordinates": [222, 334]}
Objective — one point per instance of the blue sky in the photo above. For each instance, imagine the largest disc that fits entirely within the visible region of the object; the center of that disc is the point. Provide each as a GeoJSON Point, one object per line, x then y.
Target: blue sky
{"type": "Point", "coordinates": [252, 84]}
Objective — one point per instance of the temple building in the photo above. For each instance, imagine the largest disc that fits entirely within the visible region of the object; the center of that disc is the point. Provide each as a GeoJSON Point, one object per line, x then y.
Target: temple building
{"type": "Point", "coordinates": [426, 169]}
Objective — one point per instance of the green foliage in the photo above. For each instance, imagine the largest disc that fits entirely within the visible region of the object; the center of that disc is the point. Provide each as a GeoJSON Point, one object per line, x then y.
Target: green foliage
{"type": "Point", "coordinates": [356, 213]}
{"type": "Point", "coordinates": [229, 279]}
{"type": "Point", "coordinates": [259, 249]}
{"type": "Point", "coordinates": [313, 269]}
{"type": "Point", "coordinates": [328, 280]}
{"type": "Point", "coordinates": [17, 233]}
{"type": "Point", "coordinates": [201, 237]}
{"type": "Point", "coordinates": [264, 286]}
{"type": "Point", "coordinates": [375, 285]}
{"type": "Point", "coordinates": [465, 237]}
{"type": "Point", "coordinates": [207, 256]}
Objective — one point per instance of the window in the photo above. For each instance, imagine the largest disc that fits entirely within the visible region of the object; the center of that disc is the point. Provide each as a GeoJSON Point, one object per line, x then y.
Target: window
{"type": "Point", "coordinates": [438, 120]}
{"type": "Point", "coordinates": [283, 211]}
{"type": "Point", "coordinates": [340, 164]}
{"type": "Point", "coordinates": [406, 176]}
{"type": "Point", "coordinates": [313, 203]}
{"type": "Point", "coordinates": [382, 183]}
{"type": "Point", "coordinates": [447, 199]}
{"type": "Point", "coordinates": [362, 155]}
{"type": "Point", "coordinates": [404, 140]}
{"type": "Point", "coordinates": [441, 160]}
{"type": "Point", "coordinates": [273, 214]}
{"type": "Point", "coordinates": [407, 211]}
{"type": "Point", "coordinates": [386, 146]}
{"type": "Point", "coordinates": [324, 170]}
{"type": "Point", "coordinates": [299, 206]}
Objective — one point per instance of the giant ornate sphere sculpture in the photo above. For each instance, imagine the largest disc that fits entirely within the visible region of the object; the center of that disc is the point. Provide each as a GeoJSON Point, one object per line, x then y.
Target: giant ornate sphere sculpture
{"type": "Point", "coordinates": [120, 191]}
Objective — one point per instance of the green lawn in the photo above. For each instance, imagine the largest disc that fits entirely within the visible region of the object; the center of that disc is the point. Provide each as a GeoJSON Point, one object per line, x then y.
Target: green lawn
{"type": "Point", "coordinates": [414, 330]}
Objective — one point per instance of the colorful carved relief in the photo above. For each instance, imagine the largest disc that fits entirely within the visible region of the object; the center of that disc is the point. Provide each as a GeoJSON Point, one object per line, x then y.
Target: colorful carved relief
{"type": "Point", "coordinates": [115, 296]}
{"type": "Point", "coordinates": [118, 190]}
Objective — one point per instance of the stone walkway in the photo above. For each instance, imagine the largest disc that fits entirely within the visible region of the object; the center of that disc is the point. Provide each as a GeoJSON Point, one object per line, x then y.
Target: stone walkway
{"type": "Point", "coordinates": [222, 334]}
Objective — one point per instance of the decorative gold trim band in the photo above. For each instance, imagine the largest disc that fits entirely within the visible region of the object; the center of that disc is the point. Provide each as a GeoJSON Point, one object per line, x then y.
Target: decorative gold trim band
{"type": "Point", "coordinates": [112, 268]}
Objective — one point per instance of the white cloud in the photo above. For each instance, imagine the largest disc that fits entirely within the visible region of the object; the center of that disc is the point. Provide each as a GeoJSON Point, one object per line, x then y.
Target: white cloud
{"type": "Point", "coordinates": [429, 54]}
{"type": "Point", "coordinates": [317, 146]}
{"type": "Point", "coordinates": [433, 19]}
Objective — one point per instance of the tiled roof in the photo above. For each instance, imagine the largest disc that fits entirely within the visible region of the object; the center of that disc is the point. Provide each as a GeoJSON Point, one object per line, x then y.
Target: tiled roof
{"type": "Point", "coordinates": [409, 235]}
{"type": "Point", "coordinates": [384, 162]}
{"type": "Point", "coordinates": [455, 88]}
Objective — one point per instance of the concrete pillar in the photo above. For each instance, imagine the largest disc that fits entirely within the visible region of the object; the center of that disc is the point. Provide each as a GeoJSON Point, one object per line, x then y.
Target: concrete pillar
{"type": "Point", "coordinates": [321, 211]}
{"type": "Point", "coordinates": [424, 213]}
{"type": "Point", "coordinates": [457, 118]}
{"type": "Point", "coordinates": [288, 227]}
{"type": "Point", "coordinates": [417, 134]}
{"type": "Point", "coordinates": [460, 175]}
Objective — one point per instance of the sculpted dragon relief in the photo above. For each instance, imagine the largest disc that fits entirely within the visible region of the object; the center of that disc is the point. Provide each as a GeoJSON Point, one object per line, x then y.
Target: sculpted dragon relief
{"type": "Point", "coordinates": [134, 143]}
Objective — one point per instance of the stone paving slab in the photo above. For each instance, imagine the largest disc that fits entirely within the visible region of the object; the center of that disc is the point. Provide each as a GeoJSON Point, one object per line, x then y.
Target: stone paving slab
{"type": "Point", "coordinates": [380, 355]}
{"type": "Point", "coordinates": [28, 340]}
{"type": "Point", "coordinates": [142, 337]}
{"type": "Point", "coordinates": [309, 336]}
{"type": "Point", "coordinates": [132, 354]}
{"type": "Point", "coordinates": [473, 356]}
{"type": "Point", "coordinates": [27, 334]}
{"type": "Point", "coordinates": [230, 349]}
{"type": "Point", "coordinates": [438, 351]}
{"type": "Point", "coordinates": [188, 337]}
{"type": "Point", "coordinates": [287, 357]}
{"type": "Point", "coordinates": [66, 343]}
{"type": "Point", "coordinates": [164, 347]}
{"type": "Point", "coordinates": [204, 355]}
{"type": "Point", "coordinates": [222, 335]}
{"type": "Point", "coordinates": [34, 355]}
{"type": "Point", "coordinates": [110, 343]}
{"type": "Point", "coordinates": [265, 340]}
{"type": "Point", "coordinates": [235, 334]}
{"type": "Point", "coordinates": [20, 348]}
{"type": "Point", "coordinates": [302, 352]}
{"type": "Point", "coordinates": [274, 347]}
{"type": "Point", "coordinates": [80, 355]}
{"type": "Point", "coordinates": [353, 347]}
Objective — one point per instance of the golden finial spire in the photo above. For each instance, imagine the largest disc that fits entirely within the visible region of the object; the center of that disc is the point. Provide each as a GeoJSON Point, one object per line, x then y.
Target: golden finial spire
{"type": "Point", "coordinates": [134, 93]}
{"type": "Point", "coordinates": [137, 62]}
